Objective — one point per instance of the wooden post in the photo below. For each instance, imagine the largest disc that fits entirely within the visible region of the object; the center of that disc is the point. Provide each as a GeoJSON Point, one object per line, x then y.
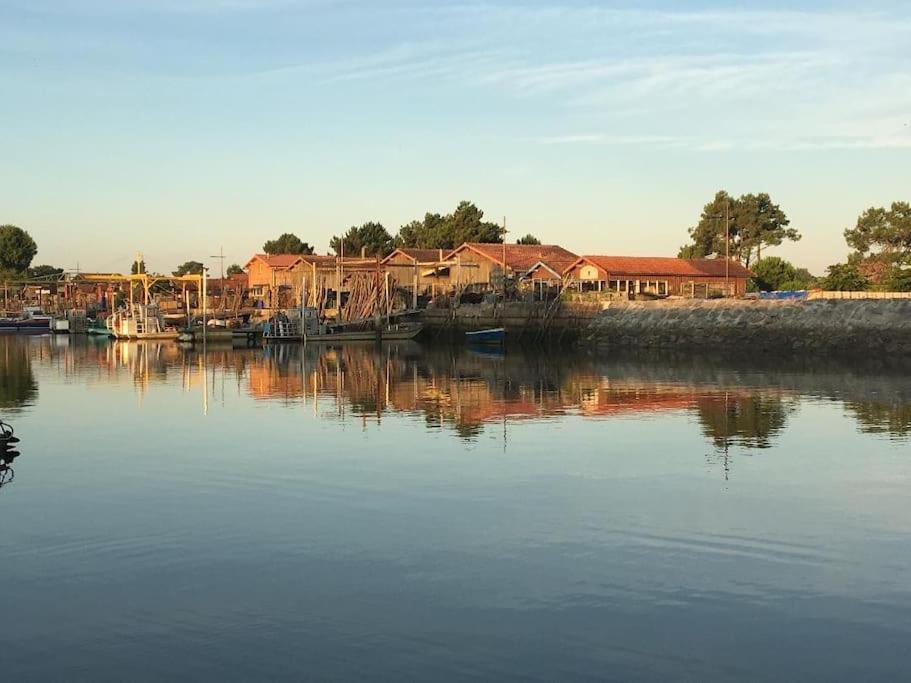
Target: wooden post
{"type": "Point", "coordinates": [388, 301]}
{"type": "Point", "coordinates": [414, 291]}
{"type": "Point", "coordinates": [313, 284]}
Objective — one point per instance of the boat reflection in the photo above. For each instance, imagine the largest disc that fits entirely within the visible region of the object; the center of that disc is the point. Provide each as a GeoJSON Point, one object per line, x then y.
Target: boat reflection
{"type": "Point", "coordinates": [736, 402]}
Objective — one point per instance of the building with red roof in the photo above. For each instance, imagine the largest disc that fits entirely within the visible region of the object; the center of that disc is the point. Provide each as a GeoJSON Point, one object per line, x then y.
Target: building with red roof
{"type": "Point", "coordinates": [661, 276]}
{"type": "Point", "coordinates": [480, 263]}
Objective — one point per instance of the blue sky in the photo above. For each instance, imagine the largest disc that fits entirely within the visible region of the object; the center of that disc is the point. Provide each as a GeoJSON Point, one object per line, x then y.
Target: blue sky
{"type": "Point", "coordinates": [176, 126]}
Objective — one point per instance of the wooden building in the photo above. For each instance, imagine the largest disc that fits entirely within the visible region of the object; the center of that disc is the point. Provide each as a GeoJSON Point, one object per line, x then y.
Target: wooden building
{"type": "Point", "coordinates": [483, 264]}
{"type": "Point", "coordinates": [266, 272]}
{"type": "Point", "coordinates": [659, 276]}
{"type": "Point", "coordinates": [426, 267]}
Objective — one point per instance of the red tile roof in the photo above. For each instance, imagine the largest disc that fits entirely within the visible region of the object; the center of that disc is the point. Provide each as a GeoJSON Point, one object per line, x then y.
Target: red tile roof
{"type": "Point", "coordinates": [658, 265]}
{"type": "Point", "coordinates": [521, 257]}
{"type": "Point", "coordinates": [277, 261]}
{"type": "Point", "coordinates": [418, 255]}
{"type": "Point", "coordinates": [322, 258]}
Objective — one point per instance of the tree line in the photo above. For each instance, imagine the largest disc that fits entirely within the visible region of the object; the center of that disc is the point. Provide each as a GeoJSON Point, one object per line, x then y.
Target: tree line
{"type": "Point", "coordinates": [465, 223]}
{"type": "Point", "coordinates": [742, 227]}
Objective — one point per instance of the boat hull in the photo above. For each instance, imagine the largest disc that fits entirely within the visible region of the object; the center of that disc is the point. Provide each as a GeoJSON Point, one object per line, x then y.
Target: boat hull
{"type": "Point", "coordinates": [363, 336]}
{"type": "Point", "coordinates": [158, 336]}
{"type": "Point", "coordinates": [492, 336]}
{"type": "Point", "coordinates": [25, 326]}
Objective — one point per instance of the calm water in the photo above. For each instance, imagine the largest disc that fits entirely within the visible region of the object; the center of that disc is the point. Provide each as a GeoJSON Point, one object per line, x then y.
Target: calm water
{"type": "Point", "coordinates": [435, 513]}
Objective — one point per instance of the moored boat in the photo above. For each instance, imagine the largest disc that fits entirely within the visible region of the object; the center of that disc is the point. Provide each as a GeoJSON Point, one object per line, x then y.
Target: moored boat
{"type": "Point", "coordinates": [32, 321]}
{"type": "Point", "coordinates": [393, 332]}
{"type": "Point", "coordinates": [142, 321]}
{"type": "Point", "coordinates": [309, 329]}
{"type": "Point", "coordinates": [495, 335]}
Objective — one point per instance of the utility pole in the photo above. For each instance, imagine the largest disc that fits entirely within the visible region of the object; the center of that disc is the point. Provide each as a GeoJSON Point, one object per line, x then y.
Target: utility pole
{"type": "Point", "coordinates": [504, 259]}
{"type": "Point", "coordinates": [727, 247]}
{"type": "Point", "coordinates": [221, 255]}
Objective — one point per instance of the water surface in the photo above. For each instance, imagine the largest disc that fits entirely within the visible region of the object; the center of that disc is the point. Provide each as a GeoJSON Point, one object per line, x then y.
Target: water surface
{"type": "Point", "coordinates": [432, 512]}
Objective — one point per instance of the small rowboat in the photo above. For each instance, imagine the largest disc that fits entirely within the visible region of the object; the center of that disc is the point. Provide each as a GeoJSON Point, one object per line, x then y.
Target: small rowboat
{"type": "Point", "coordinates": [495, 335]}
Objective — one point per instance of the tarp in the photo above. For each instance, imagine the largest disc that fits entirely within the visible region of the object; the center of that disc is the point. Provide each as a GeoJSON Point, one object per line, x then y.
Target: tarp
{"type": "Point", "coordinates": [781, 296]}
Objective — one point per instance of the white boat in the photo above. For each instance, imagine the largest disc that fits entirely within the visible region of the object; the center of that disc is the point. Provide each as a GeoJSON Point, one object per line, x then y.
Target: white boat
{"type": "Point", "coordinates": [142, 321]}
{"type": "Point", "coordinates": [32, 321]}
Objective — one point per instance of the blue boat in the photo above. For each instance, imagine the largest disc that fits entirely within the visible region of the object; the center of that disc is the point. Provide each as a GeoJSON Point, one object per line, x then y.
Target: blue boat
{"type": "Point", "coordinates": [494, 335]}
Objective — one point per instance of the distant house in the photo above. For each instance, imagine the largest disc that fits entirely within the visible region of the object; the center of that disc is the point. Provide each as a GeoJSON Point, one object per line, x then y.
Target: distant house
{"type": "Point", "coordinates": [660, 276]}
{"type": "Point", "coordinates": [480, 263]}
{"type": "Point", "coordinates": [265, 271]}
{"type": "Point", "coordinates": [426, 266]}
{"type": "Point", "coordinates": [236, 283]}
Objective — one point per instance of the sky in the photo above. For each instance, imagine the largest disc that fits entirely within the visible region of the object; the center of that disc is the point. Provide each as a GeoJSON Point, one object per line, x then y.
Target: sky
{"type": "Point", "coordinates": [178, 127]}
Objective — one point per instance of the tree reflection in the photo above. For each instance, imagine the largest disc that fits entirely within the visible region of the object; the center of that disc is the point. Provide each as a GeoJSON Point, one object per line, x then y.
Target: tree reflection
{"type": "Point", "coordinates": [751, 421]}
{"type": "Point", "coordinates": [18, 387]}
{"type": "Point", "coordinates": [743, 402]}
{"type": "Point", "coordinates": [879, 417]}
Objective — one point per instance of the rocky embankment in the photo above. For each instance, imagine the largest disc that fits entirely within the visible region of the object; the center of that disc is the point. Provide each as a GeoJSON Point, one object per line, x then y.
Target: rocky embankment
{"type": "Point", "coordinates": [848, 326]}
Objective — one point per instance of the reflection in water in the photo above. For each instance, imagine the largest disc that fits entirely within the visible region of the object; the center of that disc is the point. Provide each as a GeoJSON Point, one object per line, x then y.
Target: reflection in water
{"type": "Point", "coordinates": [751, 420]}
{"type": "Point", "coordinates": [880, 417]}
{"type": "Point", "coordinates": [8, 453]}
{"type": "Point", "coordinates": [272, 534]}
{"type": "Point", "coordinates": [17, 383]}
{"type": "Point", "coordinates": [735, 402]}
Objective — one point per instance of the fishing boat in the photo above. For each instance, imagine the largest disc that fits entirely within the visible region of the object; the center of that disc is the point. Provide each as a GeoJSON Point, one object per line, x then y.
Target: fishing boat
{"type": "Point", "coordinates": [337, 335]}
{"type": "Point", "coordinates": [140, 321]}
{"type": "Point", "coordinates": [32, 321]}
{"type": "Point", "coordinates": [392, 332]}
{"type": "Point", "coordinates": [495, 335]}
{"type": "Point", "coordinates": [307, 327]}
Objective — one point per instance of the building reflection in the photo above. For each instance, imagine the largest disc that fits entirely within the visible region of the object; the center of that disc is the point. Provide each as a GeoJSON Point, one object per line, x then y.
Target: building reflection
{"type": "Point", "coordinates": [465, 391]}
{"type": "Point", "coordinates": [453, 388]}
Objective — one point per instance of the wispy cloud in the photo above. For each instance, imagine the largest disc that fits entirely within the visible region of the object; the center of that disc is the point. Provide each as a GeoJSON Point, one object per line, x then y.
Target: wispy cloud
{"type": "Point", "coordinates": [896, 141]}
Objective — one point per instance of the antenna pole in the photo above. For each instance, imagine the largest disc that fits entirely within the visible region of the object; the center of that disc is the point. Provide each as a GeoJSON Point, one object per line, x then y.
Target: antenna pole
{"type": "Point", "coordinates": [221, 256]}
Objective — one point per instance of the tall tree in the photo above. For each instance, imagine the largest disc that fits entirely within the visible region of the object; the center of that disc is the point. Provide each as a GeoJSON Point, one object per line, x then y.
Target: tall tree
{"type": "Point", "coordinates": [772, 273]}
{"type": "Point", "coordinates": [234, 269]}
{"type": "Point", "coordinates": [424, 234]}
{"type": "Point", "coordinates": [17, 249]}
{"type": "Point", "coordinates": [528, 239]}
{"type": "Point", "coordinates": [844, 277]}
{"type": "Point", "coordinates": [883, 231]}
{"type": "Point", "coordinates": [138, 267]}
{"type": "Point", "coordinates": [189, 268]}
{"type": "Point", "coordinates": [754, 221]}
{"type": "Point", "coordinates": [287, 243]}
{"type": "Point", "coordinates": [465, 224]}
{"type": "Point", "coordinates": [370, 237]}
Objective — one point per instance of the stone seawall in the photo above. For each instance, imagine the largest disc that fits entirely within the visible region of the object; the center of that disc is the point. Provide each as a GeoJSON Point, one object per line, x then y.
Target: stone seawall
{"type": "Point", "coordinates": [847, 326]}
{"type": "Point", "coordinates": [522, 320]}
